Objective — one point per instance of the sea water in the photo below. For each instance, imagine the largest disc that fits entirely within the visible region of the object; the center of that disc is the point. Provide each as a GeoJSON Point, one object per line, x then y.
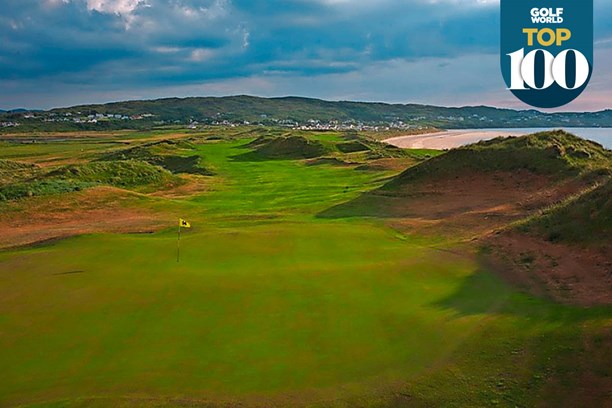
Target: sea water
{"type": "Point", "coordinates": [603, 136]}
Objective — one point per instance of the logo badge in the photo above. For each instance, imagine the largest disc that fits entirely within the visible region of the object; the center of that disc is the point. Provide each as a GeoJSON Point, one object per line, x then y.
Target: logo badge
{"type": "Point", "coordinates": [547, 49]}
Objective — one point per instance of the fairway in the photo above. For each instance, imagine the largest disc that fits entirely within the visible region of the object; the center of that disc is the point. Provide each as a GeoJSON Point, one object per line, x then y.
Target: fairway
{"type": "Point", "coordinates": [271, 304]}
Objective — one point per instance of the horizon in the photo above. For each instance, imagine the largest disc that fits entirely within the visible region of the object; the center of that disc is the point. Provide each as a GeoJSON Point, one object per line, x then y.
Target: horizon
{"type": "Point", "coordinates": [517, 109]}
{"type": "Point", "coordinates": [62, 53]}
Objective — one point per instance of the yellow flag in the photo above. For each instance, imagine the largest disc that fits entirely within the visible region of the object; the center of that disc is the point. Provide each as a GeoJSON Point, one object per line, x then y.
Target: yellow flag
{"type": "Point", "coordinates": [184, 224]}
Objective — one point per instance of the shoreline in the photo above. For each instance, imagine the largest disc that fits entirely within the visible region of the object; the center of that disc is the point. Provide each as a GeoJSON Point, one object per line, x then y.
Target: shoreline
{"type": "Point", "coordinates": [448, 139]}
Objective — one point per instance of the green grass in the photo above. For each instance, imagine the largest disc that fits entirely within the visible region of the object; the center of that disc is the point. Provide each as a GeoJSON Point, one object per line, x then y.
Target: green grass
{"type": "Point", "coordinates": [271, 304]}
{"type": "Point", "coordinates": [292, 147]}
{"type": "Point", "coordinates": [42, 152]}
{"type": "Point", "coordinates": [250, 187]}
{"type": "Point", "coordinates": [41, 188]}
{"type": "Point", "coordinates": [168, 154]}
{"type": "Point", "coordinates": [128, 173]}
{"type": "Point", "coordinates": [237, 323]}
{"type": "Point", "coordinates": [304, 145]}
{"type": "Point", "coordinates": [12, 171]}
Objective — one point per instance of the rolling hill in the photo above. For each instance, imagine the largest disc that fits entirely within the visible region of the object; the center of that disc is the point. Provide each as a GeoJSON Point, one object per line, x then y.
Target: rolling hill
{"type": "Point", "coordinates": [554, 153]}
{"type": "Point", "coordinates": [289, 110]}
{"type": "Point", "coordinates": [539, 205]}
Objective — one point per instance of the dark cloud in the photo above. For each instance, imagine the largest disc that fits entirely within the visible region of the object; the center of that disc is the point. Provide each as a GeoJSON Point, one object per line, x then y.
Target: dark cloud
{"type": "Point", "coordinates": [139, 44]}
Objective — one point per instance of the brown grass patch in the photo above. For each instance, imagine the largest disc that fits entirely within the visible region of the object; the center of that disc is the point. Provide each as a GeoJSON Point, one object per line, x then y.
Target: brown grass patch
{"type": "Point", "coordinates": [388, 164]}
{"type": "Point", "coordinates": [474, 204]}
{"type": "Point", "coordinates": [194, 185]}
{"type": "Point", "coordinates": [477, 207]}
{"type": "Point", "coordinates": [565, 273]}
{"type": "Point", "coordinates": [100, 209]}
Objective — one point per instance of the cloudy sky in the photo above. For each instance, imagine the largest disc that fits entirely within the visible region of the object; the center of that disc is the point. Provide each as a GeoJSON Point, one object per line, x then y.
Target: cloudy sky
{"type": "Point", "coordinates": [442, 52]}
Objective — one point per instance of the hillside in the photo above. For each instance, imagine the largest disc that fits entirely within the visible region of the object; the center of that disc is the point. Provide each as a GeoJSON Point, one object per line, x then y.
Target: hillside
{"type": "Point", "coordinates": [351, 148]}
{"type": "Point", "coordinates": [165, 153]}
{"type": "Point", "coordinates": [584, 219]}
{"type": "Point", "coordinates": [558, 154]}
{"type": "Point", "coordinates": [292, 147]}
{"type": "Point", "coordinates": [538, 206]}
{"type": "Point", "coordinates": [561, 252]}
{"type": "Point", "coordinates": [473, 190]}
{"type": "Point", "coordinates": [292, 110]}
{"type": "Point", "coordinates": [239, 108]}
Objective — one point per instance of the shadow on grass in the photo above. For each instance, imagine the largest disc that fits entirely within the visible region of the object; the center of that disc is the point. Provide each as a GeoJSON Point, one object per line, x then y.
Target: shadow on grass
{"type": "Point", "coordinates": [258, 156]}
{"type": "Point", "coordinates": [485, 293]}
{"type": "Point", "coordinates": [182, 165]}
{"type": "Point", "coordinates": [375, 204]}
{"type": "Point", "coordinates": [68, 273]}
{"type": "Point", "coordinates": [252, 156]}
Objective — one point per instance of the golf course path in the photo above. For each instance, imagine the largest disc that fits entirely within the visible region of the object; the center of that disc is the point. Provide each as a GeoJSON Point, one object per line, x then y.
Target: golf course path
{"type": "Point", "coordinates": [447, 139]}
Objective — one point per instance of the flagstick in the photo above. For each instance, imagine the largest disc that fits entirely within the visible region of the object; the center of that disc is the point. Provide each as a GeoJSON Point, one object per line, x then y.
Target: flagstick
{"type": "Point", "coordinates": [178, 244]}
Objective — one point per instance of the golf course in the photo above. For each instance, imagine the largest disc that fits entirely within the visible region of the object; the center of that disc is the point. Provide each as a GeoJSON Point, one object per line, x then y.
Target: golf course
{"type": "Point", "coordinates": [322, 269]}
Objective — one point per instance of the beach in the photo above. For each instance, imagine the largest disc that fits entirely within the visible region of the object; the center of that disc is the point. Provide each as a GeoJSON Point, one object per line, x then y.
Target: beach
{"type": "Point", "coordinates": [449, 139]}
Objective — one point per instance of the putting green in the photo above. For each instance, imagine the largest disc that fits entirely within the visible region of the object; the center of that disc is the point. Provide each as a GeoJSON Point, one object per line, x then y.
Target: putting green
{"type": "Point", "coordinates": [275, 307]}
{"type": "Point", "coordinates": [268, 302]}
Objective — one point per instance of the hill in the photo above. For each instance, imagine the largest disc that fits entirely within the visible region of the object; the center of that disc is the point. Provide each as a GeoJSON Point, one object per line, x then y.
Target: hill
{"type": "Point", "coordinates": [294, 110]}
{"type": "Point", "coordinates": [557, 153]}
{"type": "Point", "coordinates": [165, 153]}
{"type": "Point", "coordinates": [539, 206]}
{"type": "Point", "coordinates": [292, 147]}
{"type": "Point", "coordinates": [125, 174]}
{"type": "Point", "coordinates": [476, 189]}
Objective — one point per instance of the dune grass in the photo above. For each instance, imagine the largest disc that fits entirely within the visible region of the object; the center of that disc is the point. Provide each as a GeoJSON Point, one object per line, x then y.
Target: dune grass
{"type": "Point", "coordinates": [127, 174]}
{"type": "Point", "coordinates": [12, 171]}
{"type": "Point", "coordinates": [557, 154]}
{"type": "Point", "coordinates": [584, 219]}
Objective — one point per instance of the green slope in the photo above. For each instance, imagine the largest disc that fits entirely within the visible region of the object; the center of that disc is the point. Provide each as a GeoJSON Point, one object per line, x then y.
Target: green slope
{"type": "Point", "coordinates": [558, 154]}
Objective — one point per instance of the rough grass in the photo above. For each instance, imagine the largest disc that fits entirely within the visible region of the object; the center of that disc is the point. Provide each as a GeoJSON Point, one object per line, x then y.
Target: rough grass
{"type": "Point", "coordinates": [380, 150]}
{"type": "Point", "coordinates": [181, 165]}
{"type": "Point", "coordinates": [292, 147]}
{"type": "Point", "coordinates": [128, 173]}
{"type": "Point", "coordinates": [583, 219]}
{"type": "Point", "coordinates": [15, 171]}
{"type": "Point", "coordinates": [345, 148]}
{"type": "Point", "coordinates": [165, 153]}
{"type": "Point", "coordinates": [8, 166]}
{"type": "Point", "coordinates": [558, 154]}
{"type": "Point", "coordinates": [15, 191]}
{"type": "Point", "coordinates": [351, 147]}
